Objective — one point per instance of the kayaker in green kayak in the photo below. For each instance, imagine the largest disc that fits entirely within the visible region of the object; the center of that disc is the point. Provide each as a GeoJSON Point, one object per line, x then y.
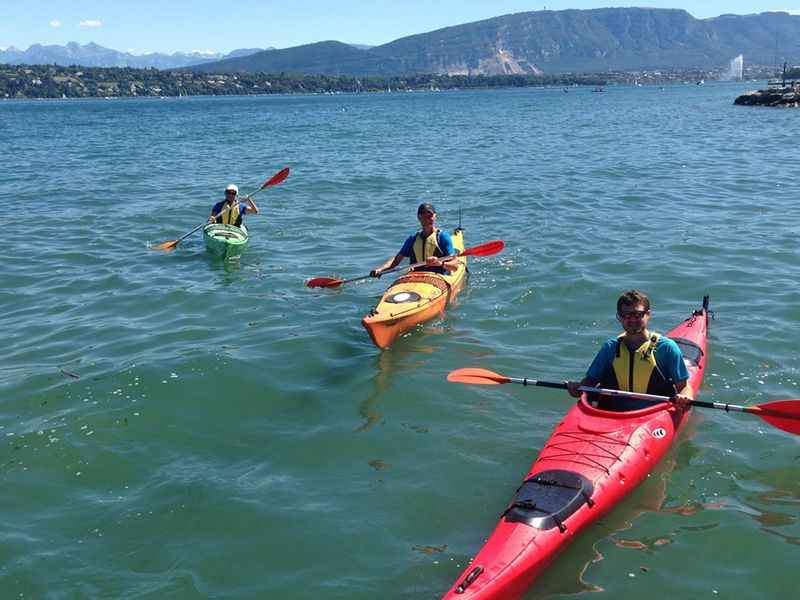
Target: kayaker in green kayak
{"type": "Point", "coordinates": [638, 360]}
{"type": "Point", "coordinates": [231, 210]}
{"type": "Point", "coordinates": [428, 245]}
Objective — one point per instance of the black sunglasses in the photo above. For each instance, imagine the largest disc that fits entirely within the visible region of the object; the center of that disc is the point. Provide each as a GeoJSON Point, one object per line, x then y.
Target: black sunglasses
{"type": "Point", "coordinates": [639, 314]}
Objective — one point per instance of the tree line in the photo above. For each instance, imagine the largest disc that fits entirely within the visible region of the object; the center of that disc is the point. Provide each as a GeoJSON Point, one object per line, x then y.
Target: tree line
{"type": "Point", "coordinates": [52, 81]}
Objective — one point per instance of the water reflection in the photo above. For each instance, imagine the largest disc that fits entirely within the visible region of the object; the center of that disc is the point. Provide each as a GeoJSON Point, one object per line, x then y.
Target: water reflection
{"type": "Point", "coordinates": [397, 360]}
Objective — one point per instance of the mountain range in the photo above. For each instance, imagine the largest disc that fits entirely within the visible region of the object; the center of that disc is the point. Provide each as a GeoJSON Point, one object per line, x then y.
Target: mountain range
{"type": "Point", "coordinates": [93, 55]}
{"type": "Point", "coordinates": [597, 40]}
{"type": "Point", "coordinates": [547, 41]}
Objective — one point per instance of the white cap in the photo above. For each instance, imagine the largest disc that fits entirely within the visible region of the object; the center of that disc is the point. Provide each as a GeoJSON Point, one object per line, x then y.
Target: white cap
{"type": "Point", "coordinates": [232, 187]}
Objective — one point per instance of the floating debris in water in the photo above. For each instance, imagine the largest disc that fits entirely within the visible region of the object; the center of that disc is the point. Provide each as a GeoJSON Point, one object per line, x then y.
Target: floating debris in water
{"type": "Point", "coordinates": [630, 544]}
{"type": "Point", "coordinates": [430, 549]}
{"type": "Point", "coordinates": [378, 465]}
{"type": "Point", "coordinates": [416, 428]}
{"type": "Point", "coordinates": [662, 542]}
{"type": "Point", "coordinates": [685, 510]}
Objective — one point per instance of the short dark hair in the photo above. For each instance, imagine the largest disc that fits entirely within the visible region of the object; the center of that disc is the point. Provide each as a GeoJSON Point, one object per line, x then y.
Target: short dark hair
{"type": "Point", "coordinates": [426, 206]}
{"type": "Point", "coordinates": [632, 298]}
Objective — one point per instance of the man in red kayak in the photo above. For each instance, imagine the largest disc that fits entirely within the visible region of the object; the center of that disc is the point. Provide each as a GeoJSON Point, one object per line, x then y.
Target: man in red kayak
{"type": "Point", "coordinates": [429, 245]}
{"type": "Point", "coordinates": [230, 211]}
{"type": "Point", "coordinates": [637, 360]}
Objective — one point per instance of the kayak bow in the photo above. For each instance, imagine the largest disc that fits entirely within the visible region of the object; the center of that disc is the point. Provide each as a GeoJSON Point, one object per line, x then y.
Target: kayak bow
{"type": "Point", "coordinates": [225, 241]}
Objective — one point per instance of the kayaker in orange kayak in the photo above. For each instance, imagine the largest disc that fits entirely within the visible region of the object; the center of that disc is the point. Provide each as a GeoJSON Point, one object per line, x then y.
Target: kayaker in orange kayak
{"type": "Point", "coordinates": [230, 211]}
{"type": "Point", "coordinates": [637, 360]}
{"type": "Point", "coordinates": [428, 245]}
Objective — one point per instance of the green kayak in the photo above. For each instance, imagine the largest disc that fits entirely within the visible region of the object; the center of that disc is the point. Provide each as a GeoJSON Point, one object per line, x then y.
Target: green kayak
{"type": "Point", "coordinates": [225, 240]}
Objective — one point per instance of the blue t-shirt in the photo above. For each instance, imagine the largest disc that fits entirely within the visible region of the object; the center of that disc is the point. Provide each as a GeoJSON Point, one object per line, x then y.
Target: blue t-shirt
{"type": "Point", "coordinates": [445, 242]}
{"type": "Point", "coordinates": [217, 208]}
{"type": "Point", "coordinates": [669, 359]}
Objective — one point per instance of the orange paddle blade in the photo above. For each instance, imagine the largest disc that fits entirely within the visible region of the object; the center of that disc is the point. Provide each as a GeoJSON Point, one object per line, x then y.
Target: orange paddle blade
{"type": "Point", "coordinates": [165, 246]}
{"type": "Point", "coordinates": [477, 377]}
{"type": "Point", "coordinates": [486, 249]}
{"type": "Point", "coordinates": [324, 282]}
{"type": "Point", "coordinates": [783, 414]}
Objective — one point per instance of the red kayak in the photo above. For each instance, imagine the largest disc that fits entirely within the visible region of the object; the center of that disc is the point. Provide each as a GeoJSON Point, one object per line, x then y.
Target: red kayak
{"type": "Point", "coordinates": [593, 459]}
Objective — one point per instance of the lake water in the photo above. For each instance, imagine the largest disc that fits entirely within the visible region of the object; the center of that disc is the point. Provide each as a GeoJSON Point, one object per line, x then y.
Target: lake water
{"type": "Point", "coordinates": [174, 426]}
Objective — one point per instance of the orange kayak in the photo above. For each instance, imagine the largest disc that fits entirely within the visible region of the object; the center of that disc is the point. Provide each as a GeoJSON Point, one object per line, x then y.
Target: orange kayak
{"type": "Point", "coordinates": [415, 298]}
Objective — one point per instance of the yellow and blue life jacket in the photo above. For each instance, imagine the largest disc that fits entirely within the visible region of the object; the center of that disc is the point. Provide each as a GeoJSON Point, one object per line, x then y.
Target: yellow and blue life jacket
{"type": "Point", "coordinates": [635, 371]}
{"type": "Point", "coordinates": [426, 247]}
{"type": "Point", "coordinates": [230, 216]}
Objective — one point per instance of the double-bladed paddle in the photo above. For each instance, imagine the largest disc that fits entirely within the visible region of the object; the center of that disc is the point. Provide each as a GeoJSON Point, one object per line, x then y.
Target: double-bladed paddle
{"type": "Point", "coordinates": [783, 414]}
{"type": "Point", "coordinates": [274, 180]}
{"type": "Point", "coordinates": [485, 249]}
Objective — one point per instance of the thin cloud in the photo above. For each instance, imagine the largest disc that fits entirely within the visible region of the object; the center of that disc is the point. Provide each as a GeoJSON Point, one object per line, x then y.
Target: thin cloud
{"type": "Point", "coordinates": [55, 23]}
{"type": "Point", "coordinates": [91, 23]}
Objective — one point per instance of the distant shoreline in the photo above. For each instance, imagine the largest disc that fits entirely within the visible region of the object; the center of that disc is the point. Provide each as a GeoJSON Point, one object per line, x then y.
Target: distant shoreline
{"type": "Point", "coordinates": [20, 82]}
{"type": "Point", "coordinates": [554, 88]}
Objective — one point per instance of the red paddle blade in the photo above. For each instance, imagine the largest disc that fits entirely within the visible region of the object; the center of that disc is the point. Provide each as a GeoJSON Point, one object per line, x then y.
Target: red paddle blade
{"type": "Point", "coordinates": [277, 178]}
{"type": "Point", "coordinates": [477, 377]}
{"type": "Point", "coordinates": [486, 249]}
{"type": "Point", "coordinates": [324, 282]}
{"type": "Point", "coordinates": [783, 414]}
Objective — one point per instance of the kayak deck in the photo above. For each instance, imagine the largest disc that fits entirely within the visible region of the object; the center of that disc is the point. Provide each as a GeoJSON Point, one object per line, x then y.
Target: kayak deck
{"type": "Point", "coordinates": [414, 298]}
{"type": "Point", "coordinates": [591, 461]}
{"type": "Point", "coordinates": [225, 240]}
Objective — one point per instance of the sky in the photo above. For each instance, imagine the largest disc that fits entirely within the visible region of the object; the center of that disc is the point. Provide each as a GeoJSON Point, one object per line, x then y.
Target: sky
{"type": "Point", "coordinates": [221, 26]}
